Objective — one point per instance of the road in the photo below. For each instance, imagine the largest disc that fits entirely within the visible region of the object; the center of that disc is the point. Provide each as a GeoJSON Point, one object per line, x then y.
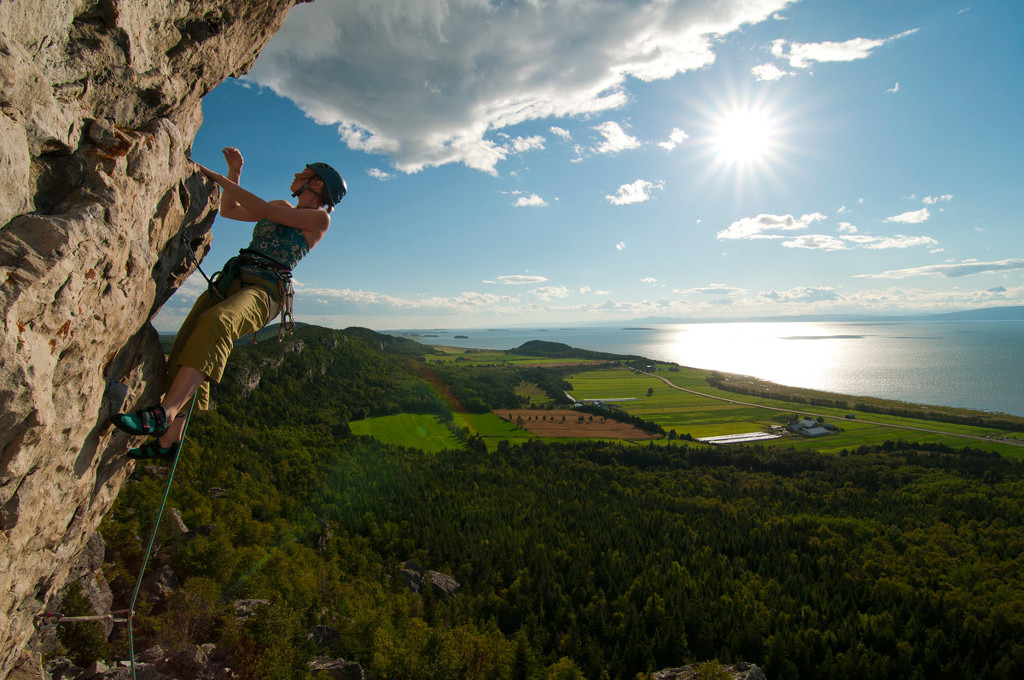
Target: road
{"type": "Point", "coordinates": [1011, 442]}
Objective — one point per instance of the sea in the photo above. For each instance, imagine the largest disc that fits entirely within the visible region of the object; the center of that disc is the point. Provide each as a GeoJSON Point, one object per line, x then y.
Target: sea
{"type": "Point", "coordinates": [975, 365]}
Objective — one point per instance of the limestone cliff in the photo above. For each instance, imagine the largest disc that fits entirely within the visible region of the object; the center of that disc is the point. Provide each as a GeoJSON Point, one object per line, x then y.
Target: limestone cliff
{"type": "Point", "coordinates": [100, 102]}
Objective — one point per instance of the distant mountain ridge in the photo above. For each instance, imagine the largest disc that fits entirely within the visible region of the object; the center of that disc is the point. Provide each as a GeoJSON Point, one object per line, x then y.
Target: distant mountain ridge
{"type": "Point", "coordinates": [986, 314]}
{"type": "Point", "coordinates": [1010, 313]}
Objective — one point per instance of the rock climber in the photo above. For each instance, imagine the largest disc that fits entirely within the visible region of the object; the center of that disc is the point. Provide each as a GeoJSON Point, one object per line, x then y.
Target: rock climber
{"type": "Point", "coordinates": [250, 291]}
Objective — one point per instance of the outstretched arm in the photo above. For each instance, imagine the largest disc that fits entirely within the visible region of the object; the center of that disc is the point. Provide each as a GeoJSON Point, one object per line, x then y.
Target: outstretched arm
{"type": "Point", "coordinates": [247, 206]}
{"type": "Point", "coordinates": [229, 207]}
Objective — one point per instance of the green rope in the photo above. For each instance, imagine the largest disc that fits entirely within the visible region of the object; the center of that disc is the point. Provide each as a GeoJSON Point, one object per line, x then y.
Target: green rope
{"type": "Point", "coordinates": [152, 537]}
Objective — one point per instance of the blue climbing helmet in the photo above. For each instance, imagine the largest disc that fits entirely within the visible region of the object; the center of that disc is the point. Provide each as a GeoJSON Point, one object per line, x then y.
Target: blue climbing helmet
{"type": "Point", "coordinates": [335, 183]}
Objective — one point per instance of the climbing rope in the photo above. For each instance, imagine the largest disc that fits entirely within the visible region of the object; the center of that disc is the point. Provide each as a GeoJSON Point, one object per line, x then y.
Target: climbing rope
{"type": "Point", "coordinates": [48, 620]}
{"type": "Point", "coordinates": [152, 536]}
{"type": "Point", "coordinates": [210, 283]}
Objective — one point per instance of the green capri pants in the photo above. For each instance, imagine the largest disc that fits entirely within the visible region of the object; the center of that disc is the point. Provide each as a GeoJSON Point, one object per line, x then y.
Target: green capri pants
{"type": "Point", "coordinates": [205, 339]}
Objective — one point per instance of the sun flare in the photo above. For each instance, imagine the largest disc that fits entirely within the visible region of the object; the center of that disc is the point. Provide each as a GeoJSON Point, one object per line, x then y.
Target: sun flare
{"type": "Point", "coordinates": [743, 136]}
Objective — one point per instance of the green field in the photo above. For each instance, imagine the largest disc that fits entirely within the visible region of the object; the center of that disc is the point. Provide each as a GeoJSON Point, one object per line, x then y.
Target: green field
{"type": "Point", "coordinates": [713, 412]}
{"type": "Point", "coordinates": [420, 431]}
{"type": "Point", "coordinates": [705, 416]}
{"type": "Point", "coordinates": [429, 433]}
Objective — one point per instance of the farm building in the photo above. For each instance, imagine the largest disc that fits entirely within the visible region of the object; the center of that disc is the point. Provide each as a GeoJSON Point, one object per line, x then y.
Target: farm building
{"type": "Point", "coordinates": [739, 438]}
{"type": "Point", "coordinates": [810, 428]}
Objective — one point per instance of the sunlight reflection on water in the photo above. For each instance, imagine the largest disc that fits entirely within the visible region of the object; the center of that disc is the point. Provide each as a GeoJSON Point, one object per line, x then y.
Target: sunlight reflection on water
{"type": "Point", "coordinates": [976, 365]}
{"type": "Point", "coordinates": [968, 365]}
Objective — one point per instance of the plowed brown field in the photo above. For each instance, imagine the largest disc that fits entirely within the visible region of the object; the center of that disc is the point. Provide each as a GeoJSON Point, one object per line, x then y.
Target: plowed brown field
{"type": "Point", "coordinates": [551, 424]}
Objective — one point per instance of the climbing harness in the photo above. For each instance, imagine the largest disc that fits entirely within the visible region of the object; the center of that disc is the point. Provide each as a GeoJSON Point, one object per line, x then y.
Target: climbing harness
{"type": "Point", "coordinates": [285, 291]}
{"type": "Point", "coordinates": [47, 620]}
{"type": "Point", "coordinates": [219, 282]}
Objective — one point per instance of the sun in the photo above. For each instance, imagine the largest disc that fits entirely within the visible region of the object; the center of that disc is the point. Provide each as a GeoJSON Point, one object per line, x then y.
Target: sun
{"type": "Point", "coordinates": [743, 136]}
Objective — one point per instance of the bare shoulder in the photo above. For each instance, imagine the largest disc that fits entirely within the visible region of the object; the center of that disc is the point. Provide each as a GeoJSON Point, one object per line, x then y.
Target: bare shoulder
{"type": "Point", "coordinates": [281, 202]}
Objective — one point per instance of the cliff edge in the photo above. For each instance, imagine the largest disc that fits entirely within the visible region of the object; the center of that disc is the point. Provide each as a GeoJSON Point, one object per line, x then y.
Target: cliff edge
{"type": "Point", "coordinates": [100, 102]}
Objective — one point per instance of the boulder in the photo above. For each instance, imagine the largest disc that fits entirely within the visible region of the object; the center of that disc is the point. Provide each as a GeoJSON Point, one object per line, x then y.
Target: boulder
{"type": "Point", "coordinates": [336, 668]}
{"type": "Point", "coordinates": [738, 671]}
{"type": "Point", "coordinates": [445, 587]}
{"type": "Point", "coordinates": [245, 609]}
{"type": "Point", "coordinates": [415, 578]}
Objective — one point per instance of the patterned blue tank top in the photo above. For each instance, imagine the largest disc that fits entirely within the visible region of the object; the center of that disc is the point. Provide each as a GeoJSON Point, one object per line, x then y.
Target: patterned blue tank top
{"type": "Point", "coordinates": [285, 245]}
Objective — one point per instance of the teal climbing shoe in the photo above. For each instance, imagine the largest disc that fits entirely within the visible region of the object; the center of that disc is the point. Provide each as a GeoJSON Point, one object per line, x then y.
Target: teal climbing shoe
{"type": "Point", "coordinates": [152, 421]}
{"type": "Point", "coordinates": [153, 451]}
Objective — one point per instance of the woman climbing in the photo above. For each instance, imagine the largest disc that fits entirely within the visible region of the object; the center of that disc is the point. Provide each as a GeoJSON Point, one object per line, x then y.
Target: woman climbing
{"type": "Point", "coordinates": [252, 288]}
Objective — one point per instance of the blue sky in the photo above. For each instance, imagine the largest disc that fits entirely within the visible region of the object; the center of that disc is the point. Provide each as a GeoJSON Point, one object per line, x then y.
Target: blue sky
{"type": "Point", "coordinates": [573, 163]}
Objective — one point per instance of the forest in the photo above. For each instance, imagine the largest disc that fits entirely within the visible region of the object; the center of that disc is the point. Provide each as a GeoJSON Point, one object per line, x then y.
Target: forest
{"type": "Point", "coordinates": [575, 559]}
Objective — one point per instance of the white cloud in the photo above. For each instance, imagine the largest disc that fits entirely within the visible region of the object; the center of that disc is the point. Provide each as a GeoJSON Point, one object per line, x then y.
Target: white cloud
{"type": "Point", "coordinates": [615, 138]}
{"type": "Point", "coordinates": [965, 268]}
{"type": "Point", "coordinates": [800, 295]}
{"type": "Point", "coordinates": [773, 227]}
{"type": "Point", "coordinates": [932, 200]}
{"type": "Point", "coordinates": [762, 226]}
{"type": "Point", "coordinates": [714, 289]}
{"type": "Point", "coordinates": [429, 82]}
{"type": "Point", "coordinates": [844, 242]}
{"type": "Point", "coordinates": [549, 293]}
{"type": "Point", "coordinates": [377, 173]}
{"type": "Point", "coordinates": [912, 217]}
{"type": "Point", "coordinates": [816, 242]}
{"type": "Point", "coordinates": [888, 242]}
{"type": "Point", "coordinates": [894, 89]}
{"type": "Point", "coordinates": [675, 138]}
{"type": "Point", "coordinates": [521, 279]}
{"type": "Point", "coordinates": [522, 144]}
{"type": "Point", "coordinates": [649, 279]}
{"type": "Point", "coordinates": [769, 72]}
{"type": "Point", "coordinates": [637, 192]}
{"type": "Point", "coordinates": [800, 55]}
{"type": "Point", "coordinates": [560, 132]}
{"type": "Point", "coordinates": [361, 297]}
{"type": "Point", "coordinates": [531, 201]}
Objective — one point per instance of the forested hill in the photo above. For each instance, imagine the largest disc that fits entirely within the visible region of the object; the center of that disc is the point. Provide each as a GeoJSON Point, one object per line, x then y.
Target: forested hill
{"type": "Point", "coordinates": [323, 375]}
{"type": "Point", "coordinates": [544, 348]}
{"type": "Point", "coordinates": [576, 559]}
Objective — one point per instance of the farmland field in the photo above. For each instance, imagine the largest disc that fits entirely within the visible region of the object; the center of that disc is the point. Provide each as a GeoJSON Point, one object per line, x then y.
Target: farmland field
{"type": "Point", "coordinates": [572, 424]}
{"type": "Point", "coordinates": [421, 431]}
{"type": "Point", "coordinates": [712, 412]}
{"type": "Point", "coordinates": [718, 414]}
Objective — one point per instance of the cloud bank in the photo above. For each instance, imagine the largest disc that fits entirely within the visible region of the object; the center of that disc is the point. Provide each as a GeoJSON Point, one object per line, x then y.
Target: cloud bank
{"type": "Point", "coordinates": [965, 268]}
{"type": "Point", "coordinates": [429, 82]}
{"type": "Point", "coordinates": [774, 227]}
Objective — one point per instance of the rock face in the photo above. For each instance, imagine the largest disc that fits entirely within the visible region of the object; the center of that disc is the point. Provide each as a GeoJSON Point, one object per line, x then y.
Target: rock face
{"type": "Point", "coordinates": [100, 101]}
{"type": "Point", "coordinates": [416, 578]}
{"type": "Point", "coordinates": [739, 671]}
